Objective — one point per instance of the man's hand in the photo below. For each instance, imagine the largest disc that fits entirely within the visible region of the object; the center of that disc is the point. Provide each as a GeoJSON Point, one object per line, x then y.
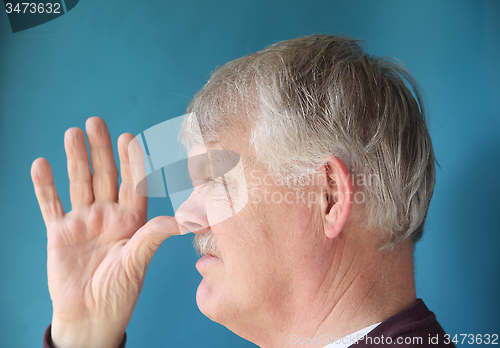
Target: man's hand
{"type": "Point", "coordinates": [98, 253]}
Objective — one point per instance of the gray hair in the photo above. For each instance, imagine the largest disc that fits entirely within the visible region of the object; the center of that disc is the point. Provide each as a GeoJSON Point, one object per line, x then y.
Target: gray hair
{"type": "Point", "coordinates": [323, 95]}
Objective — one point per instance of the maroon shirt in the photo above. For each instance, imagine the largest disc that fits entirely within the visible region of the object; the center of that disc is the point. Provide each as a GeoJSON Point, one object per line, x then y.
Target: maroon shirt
{"type": "Point", "coordinates": [47, 340]}
{"type": "Point", "coordinates": [415, 327]}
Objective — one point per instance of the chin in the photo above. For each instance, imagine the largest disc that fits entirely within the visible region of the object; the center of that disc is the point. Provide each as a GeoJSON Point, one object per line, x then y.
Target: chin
{"type": "Point", "coordinates": [217, 304]}
{"type": "Point", "coordinates": [207, 301]}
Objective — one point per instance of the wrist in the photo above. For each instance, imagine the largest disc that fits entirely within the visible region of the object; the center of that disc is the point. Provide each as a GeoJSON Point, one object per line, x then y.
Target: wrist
{"type": "Point", "coordinates": [84, 333]}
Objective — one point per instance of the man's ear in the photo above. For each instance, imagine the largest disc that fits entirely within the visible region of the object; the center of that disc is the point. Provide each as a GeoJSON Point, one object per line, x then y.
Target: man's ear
{"type": "Point", "coordinates": [337, 196]}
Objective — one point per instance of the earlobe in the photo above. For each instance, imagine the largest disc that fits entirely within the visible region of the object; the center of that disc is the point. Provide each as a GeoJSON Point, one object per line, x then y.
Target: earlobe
{"type": "Point", "coordinates": [332, 224]}
{"type": "Point", "coordinates": [337, 200]}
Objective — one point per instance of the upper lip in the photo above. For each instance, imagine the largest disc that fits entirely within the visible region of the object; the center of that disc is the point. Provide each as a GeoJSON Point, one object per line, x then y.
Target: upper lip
{"type": "Point", "coordinates": [202, 230]}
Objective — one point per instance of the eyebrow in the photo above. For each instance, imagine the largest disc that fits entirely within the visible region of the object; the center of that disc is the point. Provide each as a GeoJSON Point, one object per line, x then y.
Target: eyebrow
{"type": "Point", "coordinates": [219, 161]}
{"type": "Point", "coordinates": [179, 176]}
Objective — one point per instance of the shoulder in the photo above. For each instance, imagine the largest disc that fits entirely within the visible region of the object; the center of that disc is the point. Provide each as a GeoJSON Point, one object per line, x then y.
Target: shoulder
{"type": "Point", "coordinates": [415, 326]}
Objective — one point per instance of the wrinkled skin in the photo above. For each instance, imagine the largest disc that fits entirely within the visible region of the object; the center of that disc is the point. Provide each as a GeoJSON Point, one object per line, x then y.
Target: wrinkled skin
{"type": "Point", "coordinates": [98, 253]}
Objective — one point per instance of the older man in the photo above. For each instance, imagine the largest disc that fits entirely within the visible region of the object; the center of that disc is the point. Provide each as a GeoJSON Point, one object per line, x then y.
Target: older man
{"type": "Point", "coordinates": [336, 175]}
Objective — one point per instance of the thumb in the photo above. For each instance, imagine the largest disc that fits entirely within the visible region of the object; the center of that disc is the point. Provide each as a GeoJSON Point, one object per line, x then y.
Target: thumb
{"type": "Point", "coordinates": [144, 243]}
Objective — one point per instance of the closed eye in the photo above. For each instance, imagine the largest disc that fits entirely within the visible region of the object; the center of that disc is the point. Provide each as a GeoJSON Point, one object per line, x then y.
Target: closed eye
{"type": "Point", "coordinates": [215, 182]}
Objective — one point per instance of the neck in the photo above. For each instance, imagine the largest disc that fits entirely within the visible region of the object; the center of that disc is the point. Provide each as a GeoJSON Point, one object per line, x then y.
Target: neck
{"type": "Point", "coordinates": [361, 287]}
{"type": "Point", "coordinates": [378, 286]}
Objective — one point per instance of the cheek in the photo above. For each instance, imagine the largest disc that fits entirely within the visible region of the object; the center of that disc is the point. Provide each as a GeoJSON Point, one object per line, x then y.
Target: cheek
{"type": "Point", "coordinates": [225, 202]}
{"type": "Point", "coordinates": [246, 244]}
{"type": "Point", "coordinates": [252, 276]}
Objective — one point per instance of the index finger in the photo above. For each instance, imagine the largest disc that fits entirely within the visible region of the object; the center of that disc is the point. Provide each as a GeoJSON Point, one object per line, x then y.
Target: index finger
{"type": "Point", "coordinates": [45, 190]}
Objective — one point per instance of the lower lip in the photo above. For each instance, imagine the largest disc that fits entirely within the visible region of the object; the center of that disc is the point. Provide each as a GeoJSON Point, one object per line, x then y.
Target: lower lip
{"type": "Point", "coordinates": [207, 260]}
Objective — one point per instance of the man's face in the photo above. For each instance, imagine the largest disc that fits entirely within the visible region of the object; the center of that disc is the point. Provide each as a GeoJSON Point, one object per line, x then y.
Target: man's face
{"type": "Point", "coordinates": [254, 254]}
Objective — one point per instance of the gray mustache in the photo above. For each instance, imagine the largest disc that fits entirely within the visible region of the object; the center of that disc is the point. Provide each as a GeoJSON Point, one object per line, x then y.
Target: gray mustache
{"type": "Point", "coordinates": [206, 243]}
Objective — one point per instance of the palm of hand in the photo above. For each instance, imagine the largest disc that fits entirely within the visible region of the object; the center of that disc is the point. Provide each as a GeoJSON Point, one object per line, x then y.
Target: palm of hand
{"type": "Point", "coordinates": [98, 253]}
{"type": "Point", "coordinates": [87, 267]}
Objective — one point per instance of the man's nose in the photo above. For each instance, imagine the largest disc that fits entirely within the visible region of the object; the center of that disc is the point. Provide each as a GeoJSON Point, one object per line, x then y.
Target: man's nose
{"type": "Point", "coordinates": [192, 214]}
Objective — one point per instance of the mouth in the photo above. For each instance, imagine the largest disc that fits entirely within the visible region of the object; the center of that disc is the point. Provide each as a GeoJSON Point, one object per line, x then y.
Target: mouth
{"type": "Point", "coordinates": [206, 245]}
{"type": "Point", "coordinates": [207, 263]}
{"type": "Point", "coordinates": [209, 256]}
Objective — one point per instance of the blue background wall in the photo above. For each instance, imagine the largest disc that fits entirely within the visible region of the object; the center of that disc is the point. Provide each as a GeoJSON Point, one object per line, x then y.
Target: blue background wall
{"type": "Point", "coordinates": [137, 63]}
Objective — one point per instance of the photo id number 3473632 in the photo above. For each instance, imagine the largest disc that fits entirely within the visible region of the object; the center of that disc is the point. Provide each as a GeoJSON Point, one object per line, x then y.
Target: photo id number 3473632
{"type": "Point", "coordinates": [27, 7]}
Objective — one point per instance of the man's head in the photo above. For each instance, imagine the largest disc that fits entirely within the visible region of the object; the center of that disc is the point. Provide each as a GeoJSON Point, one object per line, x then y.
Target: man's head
{"type": "Point", "coordinates": [333, 144]}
